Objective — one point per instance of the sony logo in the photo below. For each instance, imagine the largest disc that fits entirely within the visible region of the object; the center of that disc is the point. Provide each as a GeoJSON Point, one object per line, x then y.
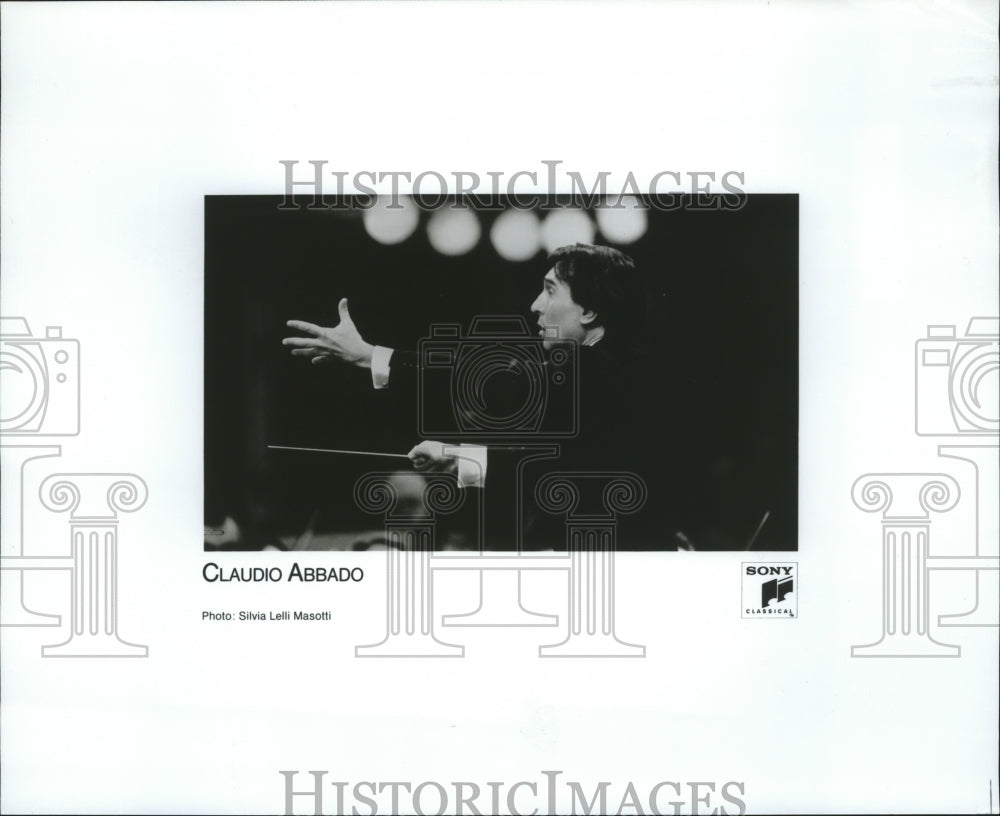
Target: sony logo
{"type": "Point", "coordinates": [769, 570]}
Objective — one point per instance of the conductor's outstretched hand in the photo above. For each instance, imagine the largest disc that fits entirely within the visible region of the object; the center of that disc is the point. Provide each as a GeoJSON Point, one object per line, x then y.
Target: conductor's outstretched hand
{"type": "Point", "coordinates": [342, 342]}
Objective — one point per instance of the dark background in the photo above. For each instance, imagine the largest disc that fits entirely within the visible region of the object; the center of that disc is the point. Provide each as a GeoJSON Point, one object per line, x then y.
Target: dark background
{"type": "Point", "coordinates": [723, 289]}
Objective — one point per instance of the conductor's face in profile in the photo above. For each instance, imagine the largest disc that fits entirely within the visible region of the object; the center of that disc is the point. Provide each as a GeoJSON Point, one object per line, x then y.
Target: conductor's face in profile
{"type": "Point", "coordinates": [559, 316]}
{"type": "Point", "coordinates": [589, 291]}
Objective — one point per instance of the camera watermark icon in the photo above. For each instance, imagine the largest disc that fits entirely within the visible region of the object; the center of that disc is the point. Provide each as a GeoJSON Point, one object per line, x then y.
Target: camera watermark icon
{"type": "Point", "coordinates": [957, 380]}
{"type": "Point", "coordinates": [497, 382]}
{"type": "Point", "coordinates": [40, 398]}
{"type": "Point", "coordinates": [957, 395]}
{"type": "Point", "coordinates": [41, 381]}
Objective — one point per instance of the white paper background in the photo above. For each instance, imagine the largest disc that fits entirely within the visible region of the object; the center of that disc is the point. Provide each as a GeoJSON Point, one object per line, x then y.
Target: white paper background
{"type": "Point", "coordinates": [118, 119]}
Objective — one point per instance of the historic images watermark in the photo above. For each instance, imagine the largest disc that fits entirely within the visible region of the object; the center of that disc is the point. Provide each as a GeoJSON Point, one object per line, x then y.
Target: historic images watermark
{"type": "Point", "coordinates": [318, 187]}
{"type": "Point", "coordinates": [40, 403]}
{"type": "Point", "coordinates": [316, 794]}
{"type": "Point", "coordinates": [957, 397]}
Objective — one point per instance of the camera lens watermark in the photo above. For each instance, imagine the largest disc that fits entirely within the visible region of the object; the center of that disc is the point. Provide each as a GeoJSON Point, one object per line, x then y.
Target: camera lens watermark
{"type": "Point", "coordinates": [41, 381]}
{"type": "Point", "coordinates": [496, 382]}
{"type": "Point", "coordinates": [957, 380]}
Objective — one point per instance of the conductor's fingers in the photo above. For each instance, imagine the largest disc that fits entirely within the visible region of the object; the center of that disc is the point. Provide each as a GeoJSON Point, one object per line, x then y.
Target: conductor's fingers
{"type": "Point", "coordinates": [300, 342]}
{"type": "Point", "coordinates": [301, 325]}
{"type": "Point", "coordinates": [419, 459]}
{"type": "Point", "coordinates": [306, 352]}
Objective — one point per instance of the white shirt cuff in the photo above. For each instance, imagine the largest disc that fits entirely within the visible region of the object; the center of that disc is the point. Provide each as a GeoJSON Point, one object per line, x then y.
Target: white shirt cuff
{"type": "Point", "coordinates": [380, 366]}
{"type": "Point", "coordinates": [471, 464]}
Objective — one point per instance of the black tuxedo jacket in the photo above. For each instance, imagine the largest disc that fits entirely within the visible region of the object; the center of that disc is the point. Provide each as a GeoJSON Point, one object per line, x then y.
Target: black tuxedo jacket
{"type": "Point", "coordinates": [623, 423]}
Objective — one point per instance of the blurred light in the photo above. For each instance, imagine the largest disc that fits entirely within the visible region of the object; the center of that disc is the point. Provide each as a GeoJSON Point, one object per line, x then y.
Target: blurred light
{"type": "Point", "coordinates": [566, 226]}
{"type": "Point", "coordinates": [453, 230]}
{"type": "Point", "coordinates": [623, 220]}
{"type": "Point", "coordinates": [391, 224]}
{"type": "Point", "coordinates": [516, 235]}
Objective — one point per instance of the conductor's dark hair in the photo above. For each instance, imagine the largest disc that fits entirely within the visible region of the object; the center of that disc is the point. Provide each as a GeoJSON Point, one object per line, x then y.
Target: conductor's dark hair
{"type": "Point", "coordinates": [605, 281]}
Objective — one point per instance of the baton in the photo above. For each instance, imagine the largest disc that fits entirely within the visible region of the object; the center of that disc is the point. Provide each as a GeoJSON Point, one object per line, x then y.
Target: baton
{"type": "Point", "coordinates": [760, 527]}
{"type": "Point", "coordinates": [330, 450]}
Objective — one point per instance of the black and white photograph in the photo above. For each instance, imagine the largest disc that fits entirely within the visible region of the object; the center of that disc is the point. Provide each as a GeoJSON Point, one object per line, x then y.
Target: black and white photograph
{"type": "Point", "coordinates": [500, 340]}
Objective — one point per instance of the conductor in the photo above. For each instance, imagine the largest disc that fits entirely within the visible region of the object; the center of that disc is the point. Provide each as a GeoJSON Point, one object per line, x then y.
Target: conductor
{"type": "Point", "coordinates": [592, 296]}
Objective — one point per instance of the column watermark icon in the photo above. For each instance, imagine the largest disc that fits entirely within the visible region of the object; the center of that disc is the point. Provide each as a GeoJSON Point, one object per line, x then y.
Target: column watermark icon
{"type": "Point", "coordinates": [41, 403]}
{"type": "Point", "coordinates": [957, 397]}
{"type": "Point", "coordinates": [584, 575]}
